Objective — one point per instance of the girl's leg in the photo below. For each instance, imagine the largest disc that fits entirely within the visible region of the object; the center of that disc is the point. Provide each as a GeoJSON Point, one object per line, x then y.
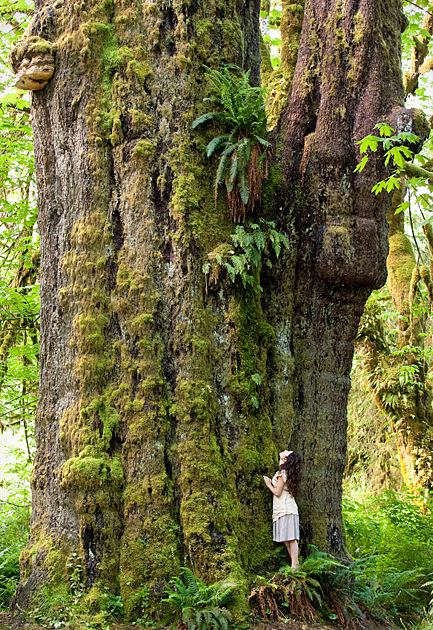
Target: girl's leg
{"type": "Point", "coordinates": [292, 548]}
{"type": "Point", "coordinates": [287, 543]}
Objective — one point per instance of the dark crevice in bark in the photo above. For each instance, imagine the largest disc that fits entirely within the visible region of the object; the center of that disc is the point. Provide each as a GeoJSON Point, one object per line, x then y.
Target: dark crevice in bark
{"type": "Point", "coordinates": [118, 241]}
{"type": "Point", "coordinates": [167, 364]}
{"type": "Point", "coordinates": [135, 382]}
{"type": "Point", "coordinates": [97, 424]}
{"type": "Point", "coordinates": [168, 25]}
{"type": "Point", "coordinates": [116, 443]}
{"type": "Point", "coordinates": [117, 227]}
{"type": "Point", "coordinates": [335, 536]}
{"type": "Point", "coordinates": [169, 21]}
{"type": "Point", "coordinates": [160, 200]}
{"type": "Point", "coordinates": [168, 465]}
{"type": "Point", "coordinates": [90, 555]}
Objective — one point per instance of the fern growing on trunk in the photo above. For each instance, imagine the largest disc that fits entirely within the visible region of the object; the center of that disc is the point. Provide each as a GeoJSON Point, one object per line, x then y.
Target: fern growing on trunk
{"type": "Point", "coordinates": [244, 151]}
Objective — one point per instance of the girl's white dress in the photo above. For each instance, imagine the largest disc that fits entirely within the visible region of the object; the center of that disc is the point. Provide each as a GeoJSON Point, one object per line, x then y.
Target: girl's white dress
{"type": "Point", "coordinates": [285, 515]}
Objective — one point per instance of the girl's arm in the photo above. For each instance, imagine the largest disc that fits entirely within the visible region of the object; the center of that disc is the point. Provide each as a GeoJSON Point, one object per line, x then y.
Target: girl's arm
{"type": "Point", "coordinates": [278, 489]}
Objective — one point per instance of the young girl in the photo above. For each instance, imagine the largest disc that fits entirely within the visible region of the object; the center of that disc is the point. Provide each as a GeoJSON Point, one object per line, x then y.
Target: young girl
{"type": "Point", "coordinates": [284, 486]}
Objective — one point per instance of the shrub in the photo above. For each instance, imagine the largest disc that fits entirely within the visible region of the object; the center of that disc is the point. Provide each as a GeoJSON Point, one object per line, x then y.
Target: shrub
{"type": "Point", "coordinates": [343, 591]}
{"type": "Point", "coordinates": [396, 533]}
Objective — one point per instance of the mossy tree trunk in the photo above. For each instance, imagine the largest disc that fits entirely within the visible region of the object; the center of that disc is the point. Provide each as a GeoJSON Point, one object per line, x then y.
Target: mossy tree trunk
{"type": "Point", "coordinates": [399, 380]}
{"type": "Point", "coordinates": [150, 443]}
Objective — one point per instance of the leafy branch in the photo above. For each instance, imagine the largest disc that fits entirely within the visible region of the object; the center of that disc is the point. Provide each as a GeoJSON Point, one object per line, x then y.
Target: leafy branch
{"type": "Point", "coordinates": [396, 154]}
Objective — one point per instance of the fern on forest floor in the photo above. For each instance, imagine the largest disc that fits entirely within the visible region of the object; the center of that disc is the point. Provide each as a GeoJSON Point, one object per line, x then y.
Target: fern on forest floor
{"type": "Point", "coordinates": [347, 593]}
{"type": "Point", "coordinates": [395, 530]}
{"type": "Point", "coordinates": [201, 607]}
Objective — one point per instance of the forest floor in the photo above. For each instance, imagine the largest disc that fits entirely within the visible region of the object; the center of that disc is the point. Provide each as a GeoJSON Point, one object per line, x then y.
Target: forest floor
{"type": "Point", "coordinates": [291, 624]}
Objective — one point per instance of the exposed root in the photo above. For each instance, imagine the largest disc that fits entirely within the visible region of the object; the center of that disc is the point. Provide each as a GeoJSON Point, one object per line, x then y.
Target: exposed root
{"type": "Point", "coordinates": [296, 597]}
{"type": "Point", "coordinates": [263, 600]}
{"type": "Point", "coordinates": [266, 600]}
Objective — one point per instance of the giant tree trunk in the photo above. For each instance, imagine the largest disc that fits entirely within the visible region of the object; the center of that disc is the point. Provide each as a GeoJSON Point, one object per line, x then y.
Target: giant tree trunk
{"type": "Point", "coordinates": [150, 448]}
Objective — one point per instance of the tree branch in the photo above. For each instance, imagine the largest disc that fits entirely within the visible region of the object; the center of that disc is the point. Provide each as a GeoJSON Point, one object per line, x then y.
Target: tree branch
{"type": "Point", "coordinates": [25, 505]}
{"type": "Point", "coordinates": [412, 170]}
{"type": "Point", "coordinates": [419, 53]}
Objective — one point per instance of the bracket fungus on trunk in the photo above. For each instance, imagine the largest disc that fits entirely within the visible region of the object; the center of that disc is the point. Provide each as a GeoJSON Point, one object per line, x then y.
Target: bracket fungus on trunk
{"type": "Point", "coordinates": [32, 60]}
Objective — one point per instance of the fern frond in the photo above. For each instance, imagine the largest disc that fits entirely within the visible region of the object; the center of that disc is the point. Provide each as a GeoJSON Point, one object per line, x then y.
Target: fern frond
{"type": "Point", "coordinates": [204, 118]}
{"type": "Point", "coordinates": [215, 143]}
{"type": "Point", "coordinates": [243, 186]}
{"type": "Point", "coordinates": [233, 172]}
{"type": "Point", "coordinates": [222, 168]}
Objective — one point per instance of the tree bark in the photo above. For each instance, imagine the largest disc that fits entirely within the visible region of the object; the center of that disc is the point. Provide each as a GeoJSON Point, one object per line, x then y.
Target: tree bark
{"type": "Point", "coordinates": [150, 448]}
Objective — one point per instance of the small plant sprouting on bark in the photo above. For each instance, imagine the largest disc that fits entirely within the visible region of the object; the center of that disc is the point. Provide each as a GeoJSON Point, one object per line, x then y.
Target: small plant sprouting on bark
{"type": "Point", "coordinates": [242, 258]}
{"type": "Point", "coordinates": [201, 607]}
{"type": "Point", "coordinates": [243, 149]}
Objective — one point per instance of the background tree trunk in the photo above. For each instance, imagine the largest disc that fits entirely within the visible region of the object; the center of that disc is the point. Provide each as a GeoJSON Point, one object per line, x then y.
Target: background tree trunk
{"type": "Point", "coordinates": [399, 380]}
{"type": "Point", "coordinates": [150, 448]}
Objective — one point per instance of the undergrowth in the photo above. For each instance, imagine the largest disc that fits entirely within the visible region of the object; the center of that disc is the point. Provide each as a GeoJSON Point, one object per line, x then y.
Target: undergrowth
{"type": "Point", "coordinates": [200, 607]}
{"type": "Point", "coordinates": [14, 528]}
{"type": "Point", "coordinates": [395, 530]}
{"type": "Point", "coordinates": [389, 579]}
{"type": "Point", "coordinates": [346, 593]}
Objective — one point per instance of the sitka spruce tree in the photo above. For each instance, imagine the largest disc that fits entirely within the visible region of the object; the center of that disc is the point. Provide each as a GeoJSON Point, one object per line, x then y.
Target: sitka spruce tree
{"type": "Point", "coordinates": [164, 397]}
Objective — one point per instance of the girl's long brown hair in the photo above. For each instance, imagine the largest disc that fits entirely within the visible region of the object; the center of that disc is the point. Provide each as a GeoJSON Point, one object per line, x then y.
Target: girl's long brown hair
{"type": "Point", "coordinates": [293, 468]}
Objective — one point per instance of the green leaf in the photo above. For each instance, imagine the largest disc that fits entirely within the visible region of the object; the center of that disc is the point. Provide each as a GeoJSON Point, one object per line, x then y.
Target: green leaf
{"type": "Point", "coordinates": [369, 142]}
{"type": "Point", "coordinates": [385, 130]}
{"type": "Point", "coordinates": [222, 167]}
{"type": "Point", "coordinates": [243, 188]}
{"type": "Point", "coordinates": [360, 167]}
{"type": "Point", "coordinates": [402, 207]}
{"type": "Point", "coordinates": [254, 402]}
{"type": "Point", "coordinates": [259, 239]}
